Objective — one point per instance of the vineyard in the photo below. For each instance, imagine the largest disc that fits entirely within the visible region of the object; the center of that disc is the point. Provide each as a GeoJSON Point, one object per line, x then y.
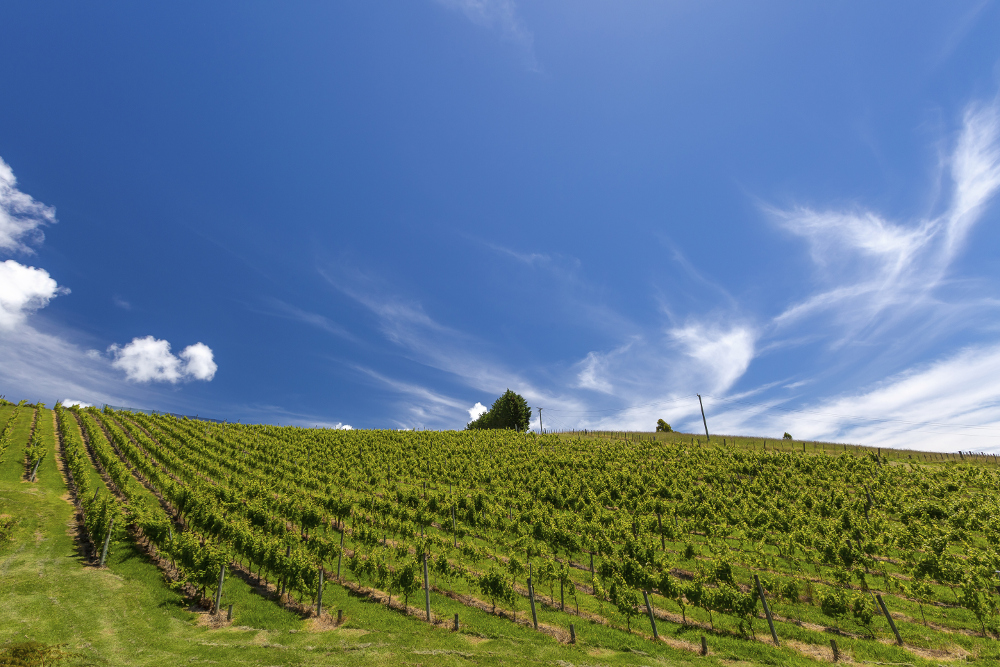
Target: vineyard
{"type": "Point", "coordinates": [672, 547]}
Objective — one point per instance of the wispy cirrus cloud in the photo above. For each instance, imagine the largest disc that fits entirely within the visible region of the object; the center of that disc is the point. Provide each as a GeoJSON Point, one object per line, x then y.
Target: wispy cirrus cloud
{"type": "Point", "coordinates": [876, 271]}
{"type": "Point", "coordinates": [279, 308]}
{"type": "Point", "coordinates": [659, 364]}
{"type": "Point", "coordinates": [873, 275]}
{"type": "Point", "coordinates": [502, 16]}
{"type": "Point", "coordinates": [949, 404]}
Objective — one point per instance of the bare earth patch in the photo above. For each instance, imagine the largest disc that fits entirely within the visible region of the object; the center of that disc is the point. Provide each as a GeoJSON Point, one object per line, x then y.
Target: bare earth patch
{"type": "Point", "coordinates": [953, 652]}
{"type": "Point", "coordinates": [328, 622]}
{"type": "Point", "coordinates": [815, 651]}
{"type": "Point", "coordinates": [206, 619]}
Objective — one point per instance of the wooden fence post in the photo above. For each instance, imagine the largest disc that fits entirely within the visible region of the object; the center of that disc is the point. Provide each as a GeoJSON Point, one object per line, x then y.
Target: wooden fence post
{"type": "Point", "coordinates": [836, 652]}
{"type": "Point", "coordinates": [704, 646]}
{"type": "Point", "coordinates": [659, 524]}
{"type": "Point", "coordinates": [572, 634]}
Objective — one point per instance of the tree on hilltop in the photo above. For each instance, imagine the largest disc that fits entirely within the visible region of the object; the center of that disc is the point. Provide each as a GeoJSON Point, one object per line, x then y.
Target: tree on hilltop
{"type": "Point", "coordinates": [510, 411]}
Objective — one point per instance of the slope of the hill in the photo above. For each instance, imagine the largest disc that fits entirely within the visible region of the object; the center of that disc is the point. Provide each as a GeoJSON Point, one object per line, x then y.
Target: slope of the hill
{"type": "Point", "coordinates": [688, 525]}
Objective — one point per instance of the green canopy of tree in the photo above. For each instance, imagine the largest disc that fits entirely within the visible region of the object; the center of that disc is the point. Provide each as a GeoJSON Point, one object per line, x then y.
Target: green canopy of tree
{"type": "Point", "coordinates": [510, 411]}
{"type": "Point", "coordinates": [662, 426]}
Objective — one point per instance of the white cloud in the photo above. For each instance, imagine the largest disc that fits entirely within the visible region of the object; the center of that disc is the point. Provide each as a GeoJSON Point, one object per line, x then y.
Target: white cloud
{"type": "Point", "coordinates": [877, 271]}
{"type": "Point", "coordinates": [592, 375]}
{"type": "Point", "coordinates": [68, 402]}
{"type": "Point", "coordinates": [950, 404]}
{"type": "Point", "coordinates": [20, 215]}
{"type": "Point", "coordinates": [872, 273]}
{"type": "Point", "coordinates": [200, 361]}
{"type": "Point", "coordinates": [149, 359]}
{"type": "Point", "coordinates": [477, 410]}
{"type": "Point", "coordinates": [288, 311]}
{"type": "Point", "coordinates": [24, 289]}
{"type": "Point", "coordinates": [725, 353]}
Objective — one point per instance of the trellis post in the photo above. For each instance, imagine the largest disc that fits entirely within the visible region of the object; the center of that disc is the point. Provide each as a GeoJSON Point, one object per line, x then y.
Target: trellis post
{"type": "Point", "coordinates": [652, 619]}
{"type": "Point", "coordinates": [767, 610]}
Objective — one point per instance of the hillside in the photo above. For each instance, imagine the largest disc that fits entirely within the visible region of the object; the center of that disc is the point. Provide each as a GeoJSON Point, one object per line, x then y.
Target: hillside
{"type": "Point", "coordinates": [604, 521]}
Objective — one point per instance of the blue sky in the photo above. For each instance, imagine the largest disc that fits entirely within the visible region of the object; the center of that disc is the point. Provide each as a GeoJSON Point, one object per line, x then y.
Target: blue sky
{"type": "Point", "coordinates": [383, 213]}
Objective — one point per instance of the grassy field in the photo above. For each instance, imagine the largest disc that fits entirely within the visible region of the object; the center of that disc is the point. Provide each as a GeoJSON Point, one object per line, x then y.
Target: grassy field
{"type": "Point", "coordinates": [128, 613]}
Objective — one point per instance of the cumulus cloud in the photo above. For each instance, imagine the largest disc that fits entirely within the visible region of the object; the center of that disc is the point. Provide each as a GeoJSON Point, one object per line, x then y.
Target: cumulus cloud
{"type": "Point", "coordinates": [20, 215]}
{"type": "Point", "coordinates": [149, 359]}
{"type": "Point", "coordinates": [24, 289]}
{"type": "Point", "coordinates": [477, 410]}
{"type": "Point", "coordinates": [200, 363]}
{"type": "Point", "coordinates": [68, 402]}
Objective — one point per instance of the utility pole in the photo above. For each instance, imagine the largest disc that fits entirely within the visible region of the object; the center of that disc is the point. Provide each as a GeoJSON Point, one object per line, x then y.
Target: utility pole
{"type": "Point", "coordinates": [707, 436]}
{"type": "Point", "coordinates": [540, 429]}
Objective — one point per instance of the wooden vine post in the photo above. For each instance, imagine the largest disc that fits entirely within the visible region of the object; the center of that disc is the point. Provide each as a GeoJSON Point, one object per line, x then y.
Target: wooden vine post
{"type": "Point", "coordinates": [427, 592]}
{"type": "Point", "coordinates": [319, 595]}
{"type": "Point", "coordinates": [107, 538]}
{"type": "Point", "coordinates": [284, 580]}
{"type": "Point", "coordinates": [341, 554]}
{"type": "Point", "coordinates": [531, 598]}
{"type": "Point", "coordinates": [767, 610]}
{"type": "Point", "coordinates": [218, 591]}
{"type": "Point", "coordinates": [888, 617]}
{"type": "Point", "coordinates": [652, 619]}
